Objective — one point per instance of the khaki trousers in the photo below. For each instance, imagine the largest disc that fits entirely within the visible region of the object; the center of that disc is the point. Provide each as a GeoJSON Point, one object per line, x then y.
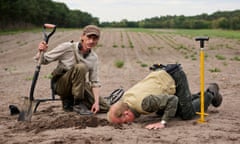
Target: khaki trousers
{"type": "Point", "coordinates": [72, 86]}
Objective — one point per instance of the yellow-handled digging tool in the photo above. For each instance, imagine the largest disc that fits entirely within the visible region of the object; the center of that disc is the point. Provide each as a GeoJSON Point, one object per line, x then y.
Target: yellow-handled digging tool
{"type": "Point", "coordinates": [202, 113]}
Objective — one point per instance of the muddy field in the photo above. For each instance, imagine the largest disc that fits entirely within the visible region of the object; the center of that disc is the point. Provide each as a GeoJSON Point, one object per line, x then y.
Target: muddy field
{"type": "Point", "coordinates": [138, 51]}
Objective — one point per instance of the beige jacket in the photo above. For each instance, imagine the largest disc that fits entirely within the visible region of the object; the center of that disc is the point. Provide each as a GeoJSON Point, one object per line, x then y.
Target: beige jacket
{"type": "Point", "coordinates": [155, 84]}
{"type": "Point", "coordinates": [64, 54]}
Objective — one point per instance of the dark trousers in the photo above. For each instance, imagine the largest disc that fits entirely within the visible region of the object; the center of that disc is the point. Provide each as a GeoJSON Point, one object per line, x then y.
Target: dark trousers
{"type": "Point", "coordinates": [188, 104]}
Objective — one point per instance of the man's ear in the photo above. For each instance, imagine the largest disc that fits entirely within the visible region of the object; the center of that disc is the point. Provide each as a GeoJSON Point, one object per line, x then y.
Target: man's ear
{"type": "Point", "coordinates": [81, 38]}
{"type": "Point", "coordinates": [126, 112]}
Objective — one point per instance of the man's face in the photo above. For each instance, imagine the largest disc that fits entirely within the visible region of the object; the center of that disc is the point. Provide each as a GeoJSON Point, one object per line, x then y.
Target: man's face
{"type": "Point", "coordinates": [125, 117]}
{"type": "Point", "coordinates": [89, 41]}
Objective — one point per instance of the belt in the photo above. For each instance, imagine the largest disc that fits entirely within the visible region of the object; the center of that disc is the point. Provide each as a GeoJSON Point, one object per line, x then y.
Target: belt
{"type": "Point", "coordinates": [172, 68]}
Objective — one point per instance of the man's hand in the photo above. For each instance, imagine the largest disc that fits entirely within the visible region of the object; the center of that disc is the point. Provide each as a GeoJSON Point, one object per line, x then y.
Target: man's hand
{"type": "Point", "coordinates": [95, 107]}
{"type": "Point", "coordinates": [43, 46]}
{"type": "Point", "coordinates": [157, 125]}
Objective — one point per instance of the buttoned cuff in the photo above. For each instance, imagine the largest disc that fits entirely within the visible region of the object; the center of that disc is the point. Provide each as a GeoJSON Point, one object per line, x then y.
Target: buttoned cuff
{"type": "Point", "coordinates": [95, 84]}
{"type": "Point", "coordinates": [163, 122]}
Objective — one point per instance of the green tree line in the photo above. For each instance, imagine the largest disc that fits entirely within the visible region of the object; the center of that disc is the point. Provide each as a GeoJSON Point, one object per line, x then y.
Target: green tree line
{"type": "Point", "coordinates": [30, 13]}
{"type": "Point", "coordinates": [217, 20]}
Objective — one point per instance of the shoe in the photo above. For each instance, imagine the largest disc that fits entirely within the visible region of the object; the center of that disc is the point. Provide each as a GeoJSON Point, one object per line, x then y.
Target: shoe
{"type": "Point", "coordinates": [67, 105]}
{"type": "Point", "coordinates": [82, 109]}
{"type": "Point", "coordinates": [14, 110]}
{"type": "Point", "coordinates": [217, 97]}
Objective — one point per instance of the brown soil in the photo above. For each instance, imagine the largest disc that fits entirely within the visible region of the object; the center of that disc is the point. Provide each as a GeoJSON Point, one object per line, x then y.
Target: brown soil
{"type": "Point", "coordinates": [51, 125]}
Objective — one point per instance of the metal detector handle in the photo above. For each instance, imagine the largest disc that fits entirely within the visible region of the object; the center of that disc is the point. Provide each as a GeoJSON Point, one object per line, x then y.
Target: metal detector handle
{"type": "Point", "coordinates": [202, 39]}
{"type": "Point", "coordinates": [47, 36]}
{"type": "Point", "coordinates": [38, 67]}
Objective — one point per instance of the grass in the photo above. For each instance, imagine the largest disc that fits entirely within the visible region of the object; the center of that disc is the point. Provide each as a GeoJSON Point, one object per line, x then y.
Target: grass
{"type": "Point", "coordinates": [220, 57]}
{"type": "Point", "coordinates": [236, 58]}
{"type": "Point", "coordinates": [114, 46]}
{"type": "Point", "coordinates": [29, 78]}
{"type": "Point", "coordinates": [10, 69]}
{"type": "Point", "coordinates": [215, 70]}
{"type": "Point", "coordinates": [144, 65]}
{"type": "Point", "coordinates": [21, 43]}
{"type": "Point", "coordinates": [144, 30]}
{"type": "Point", "coordinates": [231, 34]}
{"type": "Point", "coordinates": [16, 31]}
{"type": "Point", "coordinates": [33, 30]}
{"type": "Point", "coordinates": [129, 41]}
{"type": "Point", "coordinates": [210, 33]}
{"type": "Point", "coordinates": [130, 44]}
{"type": "Point", "coordinates": [48, 76]}
{"type": "Point", "coordinates": [119, 63]}
{"type": "Point", "coordinates": [99, 45]}
{"type": "Point", "coordinates": [225, 63]}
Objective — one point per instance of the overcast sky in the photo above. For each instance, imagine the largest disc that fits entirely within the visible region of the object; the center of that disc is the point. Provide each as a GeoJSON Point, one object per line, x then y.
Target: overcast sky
{"type": "Point", "coordinates": [134, 10]}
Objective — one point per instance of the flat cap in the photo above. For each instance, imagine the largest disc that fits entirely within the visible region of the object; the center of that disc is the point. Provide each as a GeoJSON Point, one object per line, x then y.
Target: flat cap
{"type": "Point", "coordinates": [91, 30]}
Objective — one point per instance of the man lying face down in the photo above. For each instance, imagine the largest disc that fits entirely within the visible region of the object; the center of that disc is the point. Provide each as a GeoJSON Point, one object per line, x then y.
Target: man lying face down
{"type": "Point", "coordinates": [164, 91]}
